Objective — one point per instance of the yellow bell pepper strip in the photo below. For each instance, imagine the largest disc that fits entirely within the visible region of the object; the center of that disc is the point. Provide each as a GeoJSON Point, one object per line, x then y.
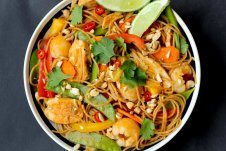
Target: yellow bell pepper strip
{"type": "Point", "coordinates": [94, 140]}
{"type": "Point", "coordinates": [56, 27]}
{"type": "Point", "coordinates": [91, 127]}
{"type": "Point", "coordinates": [117, 75]}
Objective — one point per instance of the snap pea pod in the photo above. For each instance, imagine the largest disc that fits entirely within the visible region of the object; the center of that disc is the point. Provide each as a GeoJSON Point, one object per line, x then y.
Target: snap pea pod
{"type": "Point", "coordinates": [34, 74]}
{"type": "Point", "coordinates": [180, 41]}
{"type": "Point", "coordinates": [95, 71]}
{"type": "Point", "coordinates": [98, 101]}
{"type": "Point", "coordinates": [82, 36]}
{"type": "Point", "coordinates": [172, 19]}
{"type": "Point", "coordinates": [34, 59]}
{"type": "Point", "coordinates": [93, 140]}
{"type": "Point", "coordinates": [100, 31]}
{"type": "Point", "coordinates": [188, 93]}
{"type": "Point", "coordinates": [170, 15]}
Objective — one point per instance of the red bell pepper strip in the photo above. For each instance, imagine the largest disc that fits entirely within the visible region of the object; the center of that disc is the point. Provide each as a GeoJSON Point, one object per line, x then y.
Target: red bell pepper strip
{"type": "Point", "coordinates": [49, 61]}
{"type": "Point", "coordinates": [130, 38]}
{"type": "Point", "coordinates": [96, 117]}
{"type": "Point", "coordinates": [42, 92]}
{"type": "Point", "coordinates": [42, 80]}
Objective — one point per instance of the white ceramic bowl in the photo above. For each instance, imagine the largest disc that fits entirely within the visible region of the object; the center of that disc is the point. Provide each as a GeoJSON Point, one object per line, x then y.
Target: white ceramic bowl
{"type": "Point", "coordinates": [34, 110]}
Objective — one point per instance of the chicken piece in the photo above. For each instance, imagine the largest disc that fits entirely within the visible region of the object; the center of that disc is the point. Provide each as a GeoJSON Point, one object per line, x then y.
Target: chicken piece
{"type": "Point", "coordinates": [63, 110]}
{"type": "Point", "coordinates": [109, 19]}
{"type": "Point", "coordinates": [79, 55]}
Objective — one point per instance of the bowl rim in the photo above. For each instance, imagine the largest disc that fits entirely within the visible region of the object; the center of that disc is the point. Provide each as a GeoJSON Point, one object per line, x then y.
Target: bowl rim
{"type": "Point", "coordinates": [39, 119]}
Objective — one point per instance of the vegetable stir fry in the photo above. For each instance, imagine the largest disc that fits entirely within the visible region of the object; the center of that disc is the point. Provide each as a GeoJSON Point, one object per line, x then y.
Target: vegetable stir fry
{"type": "Point", "coordinates": [109, 84]}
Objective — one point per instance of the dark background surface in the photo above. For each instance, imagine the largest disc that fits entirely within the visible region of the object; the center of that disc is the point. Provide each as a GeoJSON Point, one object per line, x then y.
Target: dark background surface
{"type": "Point", "coordinates": [204, 131]}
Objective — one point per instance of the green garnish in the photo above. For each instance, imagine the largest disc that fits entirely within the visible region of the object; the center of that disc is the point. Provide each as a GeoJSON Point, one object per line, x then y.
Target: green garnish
{"type": "Point", "coordinates": [103, 50]}
{"type": "Point", "coordinates": [177, 40]}
{"type": "Point", "coordinates": [34, 59]}
{"type": "Point", "coordinates": [100, 31]}
{"type": "Point", "coordinates": [95, 71]}
{"type": "Point", "coordinates": [93, 140]}
{"type": "Point", "coordinates": [181, 43]}
{"type": "Point", "coordinates": [147, 129]}
{"type": "Point", "coordinates": [121, 43]}
{"type": "Point", "coordinates": [170, 15]}
{"type": "Point", "coordinates": [188, 93]}
{"type": "Point", "coordinates": [82, 36]}
{"type": "Point", "coordinates": [76, 15]}
{"type": "Point", "coordinates": [55, 77]}
{"type": "Point", "coordinates": [132, 75]}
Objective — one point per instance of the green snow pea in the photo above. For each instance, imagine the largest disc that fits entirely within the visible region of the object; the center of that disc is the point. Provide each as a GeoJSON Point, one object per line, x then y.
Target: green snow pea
{"type": "Point", "coordinates": [33, 60]}
{"type": "Point", "coordinates": [188, 93]}
{"type": "Point", "coordinates": [170, 15]}
{"type": "Point", "coordinates": [93, 140]}
{"type": "Point", "coordinates": [95, 70]}
{"type": "Point", "coordinates": [100, 31]}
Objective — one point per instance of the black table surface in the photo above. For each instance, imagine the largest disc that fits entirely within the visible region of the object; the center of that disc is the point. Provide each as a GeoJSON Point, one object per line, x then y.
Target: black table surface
{"type": "Point", "coordinates": [205, 129]}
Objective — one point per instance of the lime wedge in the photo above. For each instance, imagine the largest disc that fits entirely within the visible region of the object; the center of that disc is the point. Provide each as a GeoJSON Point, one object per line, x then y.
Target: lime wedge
{"type": "Point", "coordinates": [147, 16]}
{"type": "Point", "coordinates": [123, 5]}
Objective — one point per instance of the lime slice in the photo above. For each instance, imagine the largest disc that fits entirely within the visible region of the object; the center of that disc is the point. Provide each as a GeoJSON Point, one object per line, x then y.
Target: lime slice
{"type": "Point", "coordinates": [147, 16]}
{"type": "Point", "coordinates": [123, 5]}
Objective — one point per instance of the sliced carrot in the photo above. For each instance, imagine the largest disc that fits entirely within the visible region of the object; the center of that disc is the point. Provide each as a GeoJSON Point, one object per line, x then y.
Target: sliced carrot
{"type": "Point", "coordinates": [68, 68]}
{"type": "Point", "coordinates": [138, 120]}
{"type": "Point", "coordinates": [167, 54]}
{"type": "Point", "coordinates": [123, 25]}
{"type": "Point", "coordinates": [103, 67]}
{"type": "Point", "coordinates": [98, 38]}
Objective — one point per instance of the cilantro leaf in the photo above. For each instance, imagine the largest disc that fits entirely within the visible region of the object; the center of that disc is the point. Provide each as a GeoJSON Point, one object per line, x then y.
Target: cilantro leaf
{"type": "Point", "coordinates": [129, 68]}
{"type": "Point", "coordinates": [55, 77]}
{"type": "Point", "coordinates": [141, 77]}
{"type": "Point", "coordinates": [132, 75]}
{"type": "Point", "coordinates": [103, 50]}
{"type": "Point", "coordinates": [121, 43]}
{"type": "Point", "coordinates": [147, 129]}
{"type": "Point", "coordinates": [183, 45]}
{"type": "Point", "coordinates": [128, 81]}
{"type": "Point", "coordinates": [76, 15]}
